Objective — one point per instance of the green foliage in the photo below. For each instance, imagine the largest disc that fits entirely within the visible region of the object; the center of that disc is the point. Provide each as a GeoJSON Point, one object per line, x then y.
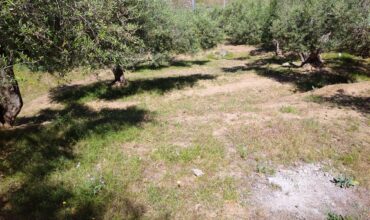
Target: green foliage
{"type": "Point", "coordinates": [334, 216]}
{"type": "Point", "coordinates": [61, 35]}
{"type": "Point", "coordinates": [244, 21]}
{"type": "Point", "coordinates": [301, 25]}
{"type": "Point", "coordinates": [288, 109]}
{"type": "Point", "coordinates": [265, 169]}
{"type": "Point", "coordinates": [208, 31]}
{"type": "Point", "coordinates": [242, 150]}
{"type": "Point", "coordinates": [344, 182]}
{"type": "Point", "coordinates": [166, 30]}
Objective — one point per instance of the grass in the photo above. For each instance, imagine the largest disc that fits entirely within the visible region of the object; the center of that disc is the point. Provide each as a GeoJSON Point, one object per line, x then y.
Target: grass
{"type": "Point", "coordinates": [314, 98]}
{"type": "Point", "coordinates": [265, 169]}
{"type": "Point", "coordinates": [75, 162]}
{"type": "Point", "coordinates": [289, 109]}
{"type": "Point", "coordinates": [334, 216]}
{"type": "Point", "coordinates": [242, 151]}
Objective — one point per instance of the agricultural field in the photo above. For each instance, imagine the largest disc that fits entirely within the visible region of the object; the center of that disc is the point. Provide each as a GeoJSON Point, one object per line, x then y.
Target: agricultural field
{"type": "Point", "coordinates": [184, 109]}
{"type": "Point", "coordinates": [267, 139]}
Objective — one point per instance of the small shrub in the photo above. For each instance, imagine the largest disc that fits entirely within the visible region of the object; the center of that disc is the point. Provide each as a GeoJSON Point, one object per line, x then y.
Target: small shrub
{"type": "Point", "coordinates": [344, 182]}
{"type": "Point", "coordinates": [334, 216]}
{"type": "Point", "coordinates": [261, 168]}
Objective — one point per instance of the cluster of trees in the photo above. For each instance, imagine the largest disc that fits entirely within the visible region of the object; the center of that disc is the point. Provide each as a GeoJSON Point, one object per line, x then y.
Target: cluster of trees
{"type": "Point", "coordinates": [56, 36]}
{"type": "Point", "coordinates": [307, 27]}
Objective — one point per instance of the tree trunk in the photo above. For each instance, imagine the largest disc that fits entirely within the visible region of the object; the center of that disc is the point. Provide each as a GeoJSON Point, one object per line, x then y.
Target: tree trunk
{"type": "Point", "coordinates": [10, 97]}
{"type": "Point", "coordinates": [278, 51]}
{"type": "Point", "coordinates": [314, 59]}
{"type": "Point", "coordinates": [119, 77]}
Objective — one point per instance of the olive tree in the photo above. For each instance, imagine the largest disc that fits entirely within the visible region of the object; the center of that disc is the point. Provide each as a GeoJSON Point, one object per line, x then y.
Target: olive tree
{"type": "Point", "coordinates": [310, 27]}
{"type": "Point", "coordinates": [38, 33]}
{"type": "Point", "coordinates": [60, 35]}
{"type": "Point", "coordinates": [244, 21]}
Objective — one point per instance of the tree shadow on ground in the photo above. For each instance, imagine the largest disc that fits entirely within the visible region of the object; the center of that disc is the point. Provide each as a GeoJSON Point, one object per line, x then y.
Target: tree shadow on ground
{"type": "Point", "coordinates": [342, 70]}
{"type": "Point", "coordinates": [102, 90]}
{"type": "Point", "coordinates": [32, 153]}
{"type": "Point", "coordinates": [175, 63]}
{"type": "Point", "coordinates": [303, 81]}
{"type": "Point", "coordinates": [359, 104]}
{"type": "Point", "coordinates": [349, 66]}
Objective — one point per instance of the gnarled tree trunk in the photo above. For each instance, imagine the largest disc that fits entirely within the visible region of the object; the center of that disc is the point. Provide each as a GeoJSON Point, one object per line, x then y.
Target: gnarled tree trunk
{"type": "Point", "coordinates": [313, 58]}
{"type": "Point", "coordinates": [119, 77]}
{"type": "Point", "coordinates": [10, 97]}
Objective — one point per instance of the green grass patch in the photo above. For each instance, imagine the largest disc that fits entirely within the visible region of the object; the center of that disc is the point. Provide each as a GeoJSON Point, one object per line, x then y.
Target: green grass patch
{"type": "Point", "coordinates": [314, 98]}
{"type": "Point", "coordinates": [242, 151]}
{"type": "Point", "coordinates": [289, 109]}
{"type": "Point", "coordinates": [215, 192]}
{"type": "Point", "coordinates": [335, 216]}
{"type": "Point", "coordinates": [265, 169]}
{"type": "Point", "coordinates": [175, 154]}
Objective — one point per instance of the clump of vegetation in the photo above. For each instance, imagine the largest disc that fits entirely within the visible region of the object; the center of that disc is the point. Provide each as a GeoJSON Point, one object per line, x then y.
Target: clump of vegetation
{"type": "Point", "coordinates": [265, 169]}
{"type": "Point", "coordinates": [334, 216]}
{"type": "Point", "coordinates": [288, 109]}
{"type": "Point", "coordinates": [242, 150]}
{"type": "Point", "coordinates": [344, 182]}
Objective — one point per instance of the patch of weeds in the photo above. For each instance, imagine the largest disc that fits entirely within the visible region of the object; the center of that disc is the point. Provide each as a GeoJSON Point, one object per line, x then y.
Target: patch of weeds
{"type": "Point", "coordinates": [212, 56]}
{"type": "Point", "coordinates": [311, 124]}
{"type": "Point", "coordinates": [228, 189]}
{"type": "Point", "coordinates": [314, 98]}
{"type": "Point", "coordinates": [350, 158]}
{"type": "Point", "coordinates": [229, 56]}
{"type": "Point", "coordinates": [353, 126]}
{"type": "Point", "coordinates": [275, 187]}
{"type": "Point", "coordinates": [288, 109]}
{"type": "Point", "coordinates": [163, 198]}
{"type": "Point", "coordinates": [358, 77]}
{"type": "Point", "coordinates": [344, 182]}
{"type": "Point", "coordinates": [242, 151]}
{"type": "Point", "coordinates": [262, 168]}
{"type": "Point", "coordinates": [190, 153]}
{"type": "Point", "coordinates": [173, 154]}
{"type": "Point", "coordinates": [96, 184]}
{"type": "Point", "coordinates": [209, 192]}
{"type": "Point", "coordinates": [335, 216]}
{"type": "Point", "coordinates": [218, 55]}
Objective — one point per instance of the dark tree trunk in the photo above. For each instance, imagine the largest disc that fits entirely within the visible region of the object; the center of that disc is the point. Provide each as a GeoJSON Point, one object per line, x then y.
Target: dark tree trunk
{"type": "Point", "coordinates": [10, 97]}
{"type": "Point", "coordinates": [119, 77]}
{"type": "Point", "coordinates": [313, 58]}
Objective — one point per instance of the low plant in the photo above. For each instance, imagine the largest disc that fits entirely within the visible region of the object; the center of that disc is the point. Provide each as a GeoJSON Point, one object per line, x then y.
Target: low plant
{"type": "Point", "coordinates": [334, 216]}
{"type": "Point", "coordinates": [262, 168]}
{"type": "Point", "coordinates": [288, 109]}
{"type": "Point", "coordinates": [344, 182]}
